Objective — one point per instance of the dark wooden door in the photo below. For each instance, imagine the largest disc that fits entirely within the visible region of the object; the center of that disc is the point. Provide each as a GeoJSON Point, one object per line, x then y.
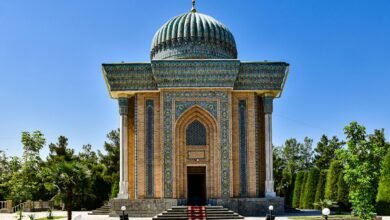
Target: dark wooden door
{"type": "Point", "coordinates": [196, 183]}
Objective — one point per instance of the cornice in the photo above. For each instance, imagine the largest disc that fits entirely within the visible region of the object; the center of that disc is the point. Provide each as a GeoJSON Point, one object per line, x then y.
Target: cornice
{"type": "Point", "coordinates": [127, 79]}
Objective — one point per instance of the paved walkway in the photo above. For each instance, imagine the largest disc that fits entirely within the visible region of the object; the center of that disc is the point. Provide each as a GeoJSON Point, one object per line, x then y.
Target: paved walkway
{"type": "Point", "coordinates": [85, 216]}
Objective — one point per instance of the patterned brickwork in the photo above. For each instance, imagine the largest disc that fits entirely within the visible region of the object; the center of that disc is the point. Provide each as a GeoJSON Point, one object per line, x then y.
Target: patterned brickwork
{"type": "Point", "coordinates": [142, 171]}
{"type": "Point", "coordinates": [250, 148]}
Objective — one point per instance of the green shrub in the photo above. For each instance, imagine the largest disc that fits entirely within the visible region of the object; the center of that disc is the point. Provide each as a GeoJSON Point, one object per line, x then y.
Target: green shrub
{"type": "Point", "coordinates": [297, 189]}
{"type": "Point", "coordinates": [320, 190]}
{"type": "Point", "coordinates": [331, 180]}
{"type": "Point", "coordinates": [302, 194]}
{"type": "Point", "coordinates": [310, 188]}
{"type": "Point", "coordinates": [383, 196]}
{"type": "Point", "coordinates": [342, 193]}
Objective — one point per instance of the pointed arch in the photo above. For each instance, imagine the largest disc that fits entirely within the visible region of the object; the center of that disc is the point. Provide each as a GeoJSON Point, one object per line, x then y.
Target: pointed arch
{"type": "Point", "coordinates": [180, 152]}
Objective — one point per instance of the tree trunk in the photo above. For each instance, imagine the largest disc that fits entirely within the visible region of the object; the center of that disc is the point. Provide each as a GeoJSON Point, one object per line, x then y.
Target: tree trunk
{"type": "Point", "coordinates": [69, 201]}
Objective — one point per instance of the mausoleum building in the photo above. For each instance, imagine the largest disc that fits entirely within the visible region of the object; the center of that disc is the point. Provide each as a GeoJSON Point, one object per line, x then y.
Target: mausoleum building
{"type": "Point", "coordinates": [195, 121]}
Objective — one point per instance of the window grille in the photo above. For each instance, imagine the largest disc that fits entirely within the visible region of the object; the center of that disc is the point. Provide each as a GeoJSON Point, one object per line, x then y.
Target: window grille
{"type": "Point", "coordinates": [196, 134]}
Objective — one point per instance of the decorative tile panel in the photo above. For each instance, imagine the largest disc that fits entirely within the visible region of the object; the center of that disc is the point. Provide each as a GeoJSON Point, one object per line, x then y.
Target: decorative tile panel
{"type": "Point", "coordinates": [149, 145]}
{"type": "Point", "coordinates": [195, 73]}
{"type": "Point", "coordinates": [129, 76]}
{"type": "Point", "coordinates": [242, 123]}
{"type": "Point", "coordinates": [257, 147]}
{"type": "Point", "coordinates": [182, 106]}
{"type": "Point", "coordinates": [261, 76]}
{"type": "Point", "coordinates": [168, 120]}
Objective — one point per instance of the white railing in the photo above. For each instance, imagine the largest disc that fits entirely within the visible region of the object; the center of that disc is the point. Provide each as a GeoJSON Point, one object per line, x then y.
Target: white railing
{"type": "Point", "coordinates": [3, 204]}
{"type": "Point", "coordinates": [19, 207]}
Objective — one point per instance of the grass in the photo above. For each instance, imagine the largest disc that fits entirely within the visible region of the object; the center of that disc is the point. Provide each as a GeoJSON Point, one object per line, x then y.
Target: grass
{"type": "Point", "coordinates": [320, 217]}
{"type": "Point", "coordinates": [54, 217]}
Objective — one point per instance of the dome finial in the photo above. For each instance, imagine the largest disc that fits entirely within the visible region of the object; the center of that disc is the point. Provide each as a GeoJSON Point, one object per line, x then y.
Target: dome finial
{"type": "Point", "coordinates": [193, 6]}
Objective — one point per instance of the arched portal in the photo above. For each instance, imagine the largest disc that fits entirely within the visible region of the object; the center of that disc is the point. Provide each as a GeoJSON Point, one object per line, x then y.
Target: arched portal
{"type": "Point", "coordinates": [190, 153]}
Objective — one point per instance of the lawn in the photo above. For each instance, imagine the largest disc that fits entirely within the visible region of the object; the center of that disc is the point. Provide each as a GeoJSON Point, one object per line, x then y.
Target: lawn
{"type": "Point", "coordinates": [55, 217]}
{"type": "Point", "coordinates": [320, 217]}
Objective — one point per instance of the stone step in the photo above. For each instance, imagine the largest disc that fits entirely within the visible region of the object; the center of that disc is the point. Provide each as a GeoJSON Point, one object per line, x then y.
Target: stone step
{"type": "Point", "coordinates": [211, 212]}
{"type": "Point", "coordinates": [104, 210]}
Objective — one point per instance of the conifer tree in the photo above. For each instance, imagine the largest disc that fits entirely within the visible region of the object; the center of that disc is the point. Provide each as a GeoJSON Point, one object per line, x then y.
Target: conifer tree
{"type": "Point", "coordinates": [310, 188]}
{"type": "Point", "coordinates": [320, 190]}
{"type": "Point", "coordinates": [383, 197]}
{"type": "Point", "coordinates": [297, 189]}
{"type": "Point", "coordinates": [331, 180]}
{"type": "Point", "coordinates": [302, 193]}
{"type": "Point", "coordinates": [342, 193]}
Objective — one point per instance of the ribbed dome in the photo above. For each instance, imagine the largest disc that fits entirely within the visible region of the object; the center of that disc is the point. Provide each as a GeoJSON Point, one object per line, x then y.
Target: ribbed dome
{"type": "Point", "coordinates": [193, 36]}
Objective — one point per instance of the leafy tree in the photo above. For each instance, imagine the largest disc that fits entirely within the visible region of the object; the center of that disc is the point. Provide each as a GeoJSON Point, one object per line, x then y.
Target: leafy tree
{"type": "Point", "coordinates": [332, 179]}
{"type": "Point", "coordinates": [302, 193]}
{"type": "Point", "coordinates": [25, 182]}
{"type": "Point", "coordinates": [362, 162]}
{"type": "Point", "coordinates": [310, 188]}
{"type": "Point", "coordinates": [383, 197]}
{"type": "Point", "coordinates": [320, 191]}
{"type": "Point", "coordinates": [111, 161]}
{"type": "Point", "coordinates": [297, 189]}
{"type": "Point", "coordinates": [326, 151]}
{"type": "Point", "coordinates": [4, 169]}
{"type": "Point", "coordinates": [63, 173]}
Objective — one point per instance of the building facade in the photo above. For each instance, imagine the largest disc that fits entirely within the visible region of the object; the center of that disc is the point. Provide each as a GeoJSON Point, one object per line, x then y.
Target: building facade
{"type": "Point", "coordinates": [195, 121]}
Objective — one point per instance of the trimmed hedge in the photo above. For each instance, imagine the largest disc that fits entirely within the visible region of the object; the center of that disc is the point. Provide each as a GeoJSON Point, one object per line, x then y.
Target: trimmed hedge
{"type": "Point", "coordinates": [383, 196]}
{"type": "Point", "coordinates": [297, 189]}
{"type": "Point", "coordinates": [332, 179]}
{"type": "Point", "coordinates": [320, 190]}
{"type": "Point", "coordinates": [310, 188]}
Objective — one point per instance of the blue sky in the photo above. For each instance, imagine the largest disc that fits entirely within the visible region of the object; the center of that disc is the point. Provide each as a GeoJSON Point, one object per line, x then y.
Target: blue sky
{"type": "Point", "coordinates": [51, 54]}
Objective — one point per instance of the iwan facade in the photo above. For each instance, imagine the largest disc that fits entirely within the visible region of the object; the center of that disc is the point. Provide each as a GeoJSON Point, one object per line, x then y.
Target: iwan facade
{"type": "Point", "coordinates": [195, 122]}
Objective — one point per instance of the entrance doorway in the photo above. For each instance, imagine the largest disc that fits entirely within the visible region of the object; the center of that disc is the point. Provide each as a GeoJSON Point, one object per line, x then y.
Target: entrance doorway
{"type": "Point", "coordinates": [196, 185]}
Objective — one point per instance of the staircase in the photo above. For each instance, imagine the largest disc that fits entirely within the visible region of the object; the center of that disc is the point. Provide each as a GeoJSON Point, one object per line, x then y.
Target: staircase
{"type": "Point", "coordinates": [104, 210]}
{"type": "Point", "coordinates": [198, 213]}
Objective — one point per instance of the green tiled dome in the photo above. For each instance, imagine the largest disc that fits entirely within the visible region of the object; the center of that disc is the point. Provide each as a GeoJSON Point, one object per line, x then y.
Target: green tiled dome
{"type": "Point", "coordinates": [193, 36]}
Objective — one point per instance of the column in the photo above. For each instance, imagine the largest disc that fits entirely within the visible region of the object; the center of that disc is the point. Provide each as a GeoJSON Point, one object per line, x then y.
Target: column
{"type": "Point", "coordinates": [123, 163]}
{"type": "Point", "coordinates": [269, 176]}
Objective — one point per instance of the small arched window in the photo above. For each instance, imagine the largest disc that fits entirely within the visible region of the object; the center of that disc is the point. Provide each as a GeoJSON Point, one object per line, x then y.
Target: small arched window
{"type": "Point", "coordinates": [196, 134]}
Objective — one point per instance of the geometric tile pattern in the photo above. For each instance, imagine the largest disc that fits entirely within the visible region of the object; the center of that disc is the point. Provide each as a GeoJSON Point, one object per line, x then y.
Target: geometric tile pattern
{"type": "Point", "coordinates": [149, 145]}
{"type": "Point", "coordinates": [169, 97]}
{"type": "Point", "coordinates": [243, 147]}
{"type": "Point", "coordinates": [182, 106]}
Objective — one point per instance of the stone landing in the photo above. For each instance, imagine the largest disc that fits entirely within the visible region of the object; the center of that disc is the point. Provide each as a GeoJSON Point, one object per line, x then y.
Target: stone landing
{"type": "Point", "coordinates": [141, 207]}
{"type": "Point", "coordinates": [251, 206]}
{"type": "Point", "coordinates": [152, 207]}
